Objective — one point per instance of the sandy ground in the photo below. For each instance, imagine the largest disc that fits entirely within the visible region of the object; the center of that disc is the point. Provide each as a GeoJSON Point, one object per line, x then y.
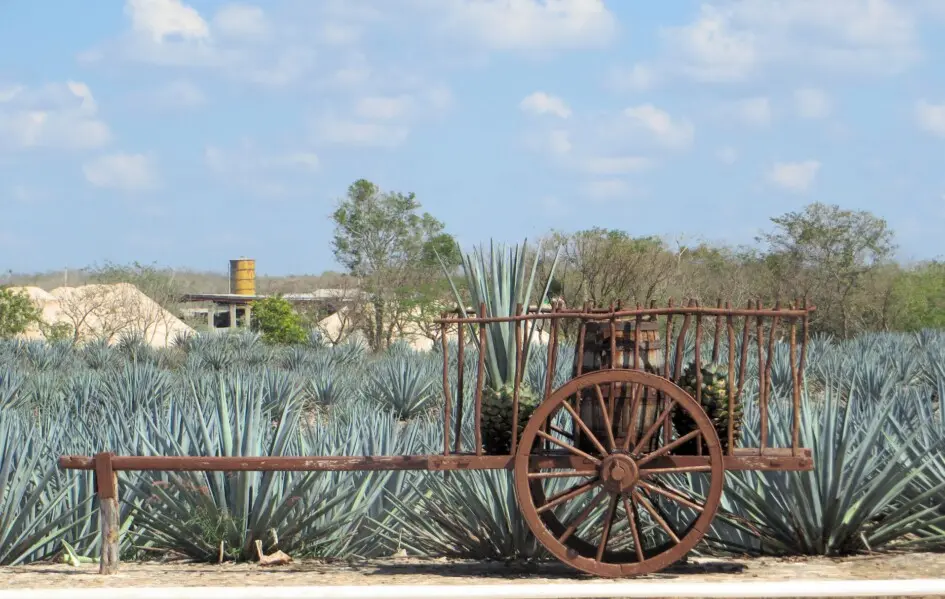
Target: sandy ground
{"type": "Point", "coordinates": [440, 572]}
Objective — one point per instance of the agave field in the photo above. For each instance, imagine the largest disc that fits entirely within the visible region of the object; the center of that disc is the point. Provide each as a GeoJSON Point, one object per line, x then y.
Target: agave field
{"type": "Point", "coordinates": [871, 416]}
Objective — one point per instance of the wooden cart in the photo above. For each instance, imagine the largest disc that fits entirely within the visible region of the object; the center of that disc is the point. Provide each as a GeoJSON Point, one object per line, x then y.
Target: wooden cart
{"type": "Point", "coordinates": [617, 472]}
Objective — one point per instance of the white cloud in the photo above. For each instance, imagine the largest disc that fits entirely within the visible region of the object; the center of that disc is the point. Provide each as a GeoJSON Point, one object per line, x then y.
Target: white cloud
{"type": "Point", "coordinates": [7, 93]}
{"type": "Point", "coordinates": [307, 161]}
{"type": "Point", "coordinates": [384, 107]}
{"type": "Point", "coordinates": [179, 94]}
{"type": "Point", "coordinates": [529, 25]}
{"type": "Point", "coordinates": [337, 34]}
{"type": "Point", "coordinates": [162, 19]}
{"type": "Point", "coordinates": [640, 77]}
{"type": "Point", "coordinates": [241, 21]}
{"type": "Point", "coordinates": [617, 165]}
{"type": "Point", "coordinates": [727, 154]}
{"type": "Point", "coordinates": [930, 117]}
{"type": "Point", "coordinates": [24, 195]}
{"type": "Point", "coordinates": [439, 98]}
{"type": "Point", "coordinates": [262, 172]}
{"type": "Point", "coordinates": [384, 120]}
{"type": "Point", "coordinates": [811, 103]}
{"type": "Point", "coordinates": [559, 142]}
{"type": "Point", "coordinates": [247, 157]}
{"type": "Point", "coordinates": [602, 189]}
{"type": "Point", "coordinates": [794, 176]}
{"type": "Point", "coordinates": [360, 133]}
{"type": "Point", "coordinates": [82, 91]}
{"type": "Point", "coordinates": [667, 131]}
{"type": "Point", "coordinates": [732, 40]}
{"type": "Point", "coordinates": [125, 172]}
{"type": "Point", "coordinates": [55, 116]}
{"type": "Point", "coordinates": [711, 49]}
{"type": "Point", "coordinates": [754, 111]}
{"type": "Point", "coordinates": [540, 103]}
{"type": "Point", "coordinates": [237, 42]}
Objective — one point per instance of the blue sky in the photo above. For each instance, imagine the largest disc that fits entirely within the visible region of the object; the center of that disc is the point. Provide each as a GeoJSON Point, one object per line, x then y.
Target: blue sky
{"type": "Point", "coordinates": [189, 133]}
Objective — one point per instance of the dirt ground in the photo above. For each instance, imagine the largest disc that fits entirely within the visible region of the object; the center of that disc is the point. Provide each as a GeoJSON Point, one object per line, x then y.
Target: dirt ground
{"type": "Point", "coordinates": [408, 571]}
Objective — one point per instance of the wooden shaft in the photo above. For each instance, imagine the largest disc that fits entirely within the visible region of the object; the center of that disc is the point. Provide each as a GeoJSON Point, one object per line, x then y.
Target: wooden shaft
{"type": "Point", "coordinates": [106, 487]}
{"type": "Point", "coordinates": [795, 392]}
{"type": "Point", "coordinates": [480, 375]}
{"type": "Point", "coordinates": [730, 325]}
{"type": "Point", "coordinates": [763, 405]}
{"type": "Point", "coordinates": [516, 377]}
{"type": "Point", "coordinates": [460, 382]}
{"type": "Point", "coordinates": [448, 403]}
{"type": "Point", "coordinates": [718, 329]}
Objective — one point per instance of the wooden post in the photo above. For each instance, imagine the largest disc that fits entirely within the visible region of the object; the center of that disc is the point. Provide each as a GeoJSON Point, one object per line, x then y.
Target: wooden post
{"type": "Point", "coordinates": [106, 487]}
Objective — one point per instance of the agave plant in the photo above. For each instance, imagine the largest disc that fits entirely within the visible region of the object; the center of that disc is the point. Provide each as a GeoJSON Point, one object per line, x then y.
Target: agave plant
{"type": "Point", "coordinates": [97, 355]}
{"type": "Point", "coordinates": [853, 500]}
{"type": "Point", "coordinates": [403, 384]}
{"type": "Point", "coordinates": [201, 514]}
{"type": "Point", "coordinates": [500, 282]}
{"type": "Point", "coordinates": [33, 493]}
{"type": "Point", "coordinates": [329, 383]}
{"type": "Point", "coordinates": [10, 384]}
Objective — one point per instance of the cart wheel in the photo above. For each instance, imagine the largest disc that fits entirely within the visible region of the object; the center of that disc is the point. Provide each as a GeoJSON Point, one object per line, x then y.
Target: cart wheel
{"type": "Point", "coordinates": [628, 508]}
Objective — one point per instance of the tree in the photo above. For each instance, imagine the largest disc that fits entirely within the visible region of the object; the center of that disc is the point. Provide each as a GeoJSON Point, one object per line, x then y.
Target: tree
{"type": "Point", "coordinates": [608, 265]}
{"type": "Point", "coordinates": [17, 313]}
{"type": "Point", "coordinates": [383, 240]}
{"type": "Point", "coordinates": [828, 253]}
{"type": "Point", "coordinates": [919, 297]}
{"type": "Point", "coordinates": [278, 322]}
{"type": "Point", "coordinates": [708, 273]}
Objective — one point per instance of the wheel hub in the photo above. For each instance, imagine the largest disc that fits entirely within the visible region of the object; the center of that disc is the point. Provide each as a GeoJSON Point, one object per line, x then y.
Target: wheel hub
{"type": "Point", "coordinates": [619, 473]}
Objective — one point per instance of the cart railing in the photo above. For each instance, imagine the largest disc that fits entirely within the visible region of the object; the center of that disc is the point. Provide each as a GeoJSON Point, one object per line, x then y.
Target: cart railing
{"type": "Point", "coordinates": [753, 327]}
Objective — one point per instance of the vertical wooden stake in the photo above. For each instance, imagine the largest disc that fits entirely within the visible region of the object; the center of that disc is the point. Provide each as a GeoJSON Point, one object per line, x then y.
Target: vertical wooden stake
{"type": "Point", "coordinates": [106, 487]}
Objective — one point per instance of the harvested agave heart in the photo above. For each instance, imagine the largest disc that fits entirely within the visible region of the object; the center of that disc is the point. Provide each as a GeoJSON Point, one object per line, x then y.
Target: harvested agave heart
{"type": "Point", "coordinates": [714, 401]}
{"type": "Point", "coordinates": [497, 416]}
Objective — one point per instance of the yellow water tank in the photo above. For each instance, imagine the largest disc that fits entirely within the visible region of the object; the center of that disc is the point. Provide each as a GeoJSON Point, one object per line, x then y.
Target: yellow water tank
{"type": "Point", "coordinates": [243, 276]}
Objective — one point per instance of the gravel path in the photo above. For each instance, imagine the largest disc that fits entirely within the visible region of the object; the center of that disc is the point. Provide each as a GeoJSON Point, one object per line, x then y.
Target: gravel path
{"type": "Point", "coordinates": [440, 572]}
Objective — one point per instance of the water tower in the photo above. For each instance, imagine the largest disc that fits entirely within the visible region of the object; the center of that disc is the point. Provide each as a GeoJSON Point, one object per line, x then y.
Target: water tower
{"type": "Point", "coordinates": [243, 277]}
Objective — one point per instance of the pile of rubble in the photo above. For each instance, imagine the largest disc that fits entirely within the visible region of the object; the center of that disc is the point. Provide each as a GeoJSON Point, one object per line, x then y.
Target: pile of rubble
{"type": "Point", "coordinates": [104, 312]}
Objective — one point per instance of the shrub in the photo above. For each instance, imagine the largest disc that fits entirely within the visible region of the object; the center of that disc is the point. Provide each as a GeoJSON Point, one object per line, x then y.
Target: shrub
{"type": "Point", "coordinates": [17, 312]}
{"type": "Point", "coordinates": [278, 322]}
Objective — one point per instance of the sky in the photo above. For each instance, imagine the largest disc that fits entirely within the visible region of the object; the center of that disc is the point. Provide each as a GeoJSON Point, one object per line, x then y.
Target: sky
{"type": "Point", "coordinates": [187, 133]}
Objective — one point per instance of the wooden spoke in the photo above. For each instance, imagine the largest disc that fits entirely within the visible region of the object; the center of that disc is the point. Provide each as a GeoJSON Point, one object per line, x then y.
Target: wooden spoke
{"type": "Point", "coordinates": [570, 448]}
{"type": "Point", "coordinates": [635, 397]}
{"type": "Point", "coordinates": [655, 515]}
{"type": "Point", "coordinates": [676, 470]}
{"type": "Point", "coordinates": [587, 431]}
{"type": "Point", "coordinates": [562, 432]}
{"type": "Point", "coordinates": [667, 448]}
{"type": "Point", "coordinates": [634, 529]}
{"type": "Point", "coordinates": [653, 428]}
{"type": "Point", "coordinates": [606, 413]}
{"type": "Point", "coordinates": [673, 495]}
{"type": "Point", "coordinates": [568, 474]}
{"type": "Point", "coordinates": [585, 513]}
{"type": "Point", "coordinates": [568, 495]}
{"type": "Point", "coordinates": [608, 522]}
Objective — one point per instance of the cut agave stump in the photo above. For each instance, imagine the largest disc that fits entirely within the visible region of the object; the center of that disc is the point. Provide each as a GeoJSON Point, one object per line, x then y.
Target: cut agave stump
{"type": "Point", "coordinates": [597, 356]}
